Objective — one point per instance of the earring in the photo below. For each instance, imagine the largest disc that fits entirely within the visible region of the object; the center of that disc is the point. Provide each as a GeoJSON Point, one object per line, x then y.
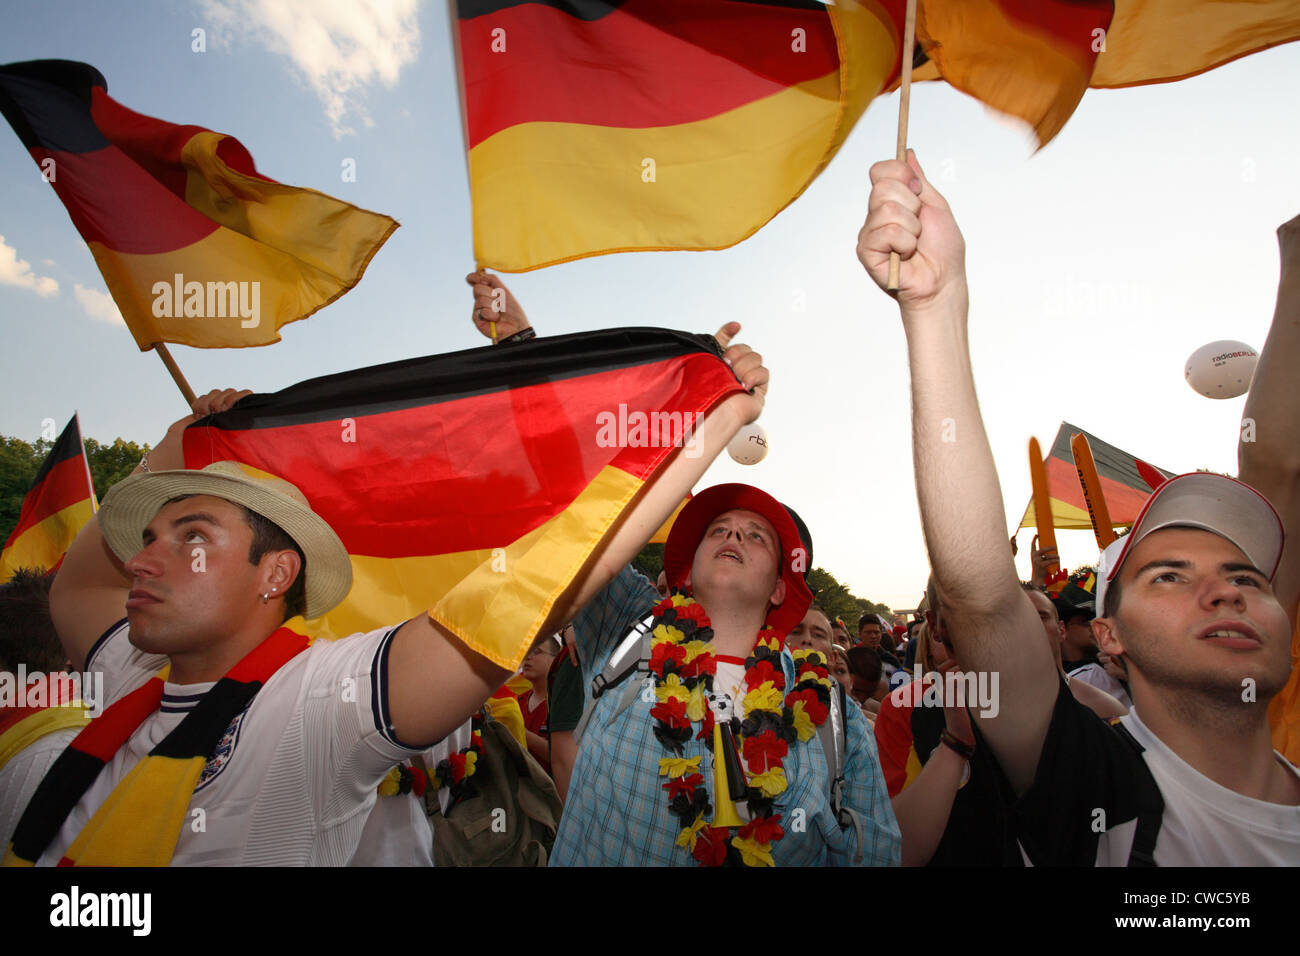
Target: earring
{"type": "Point", "coordinates": [267, 597]}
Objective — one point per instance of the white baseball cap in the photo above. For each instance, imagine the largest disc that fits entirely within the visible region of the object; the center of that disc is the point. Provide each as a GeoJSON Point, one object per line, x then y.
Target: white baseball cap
{"type": "Point", "coordinates": [1216, 503]}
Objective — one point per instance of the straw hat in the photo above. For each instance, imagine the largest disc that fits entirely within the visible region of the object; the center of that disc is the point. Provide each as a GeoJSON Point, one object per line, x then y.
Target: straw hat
{"type": "Point", "coordinates": [133, 502]}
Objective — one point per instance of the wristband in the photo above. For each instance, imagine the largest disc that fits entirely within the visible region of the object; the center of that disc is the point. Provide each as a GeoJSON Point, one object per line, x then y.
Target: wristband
{"type": "Point", "coordinates": [523, 335]}
{"type": "Point", "coordinates": [964, 749]}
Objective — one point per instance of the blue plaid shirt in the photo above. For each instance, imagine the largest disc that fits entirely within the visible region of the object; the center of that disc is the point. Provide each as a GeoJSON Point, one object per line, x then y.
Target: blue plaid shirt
{"type": "Point", "coordinates": [617, 811]}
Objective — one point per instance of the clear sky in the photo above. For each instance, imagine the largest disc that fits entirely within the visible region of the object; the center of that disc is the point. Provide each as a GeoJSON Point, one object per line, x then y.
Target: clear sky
{"type": "Point", "coordinates": [1097, 265]}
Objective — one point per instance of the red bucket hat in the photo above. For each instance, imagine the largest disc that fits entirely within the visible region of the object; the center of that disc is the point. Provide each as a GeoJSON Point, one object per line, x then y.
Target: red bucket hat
{"type": "Point", "coordinates": [694, 520]}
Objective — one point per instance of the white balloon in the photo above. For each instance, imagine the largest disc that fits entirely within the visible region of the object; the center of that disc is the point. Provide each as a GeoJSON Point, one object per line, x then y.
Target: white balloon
{"type": "Point", "coordinates": [1221, 369]}
{"type": "Point", "coordinates": [749, 447]}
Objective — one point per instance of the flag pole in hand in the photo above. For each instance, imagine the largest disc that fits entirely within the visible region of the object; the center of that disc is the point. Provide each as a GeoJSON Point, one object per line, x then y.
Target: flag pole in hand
{"type": "Point", "coordinates": [904, 102]}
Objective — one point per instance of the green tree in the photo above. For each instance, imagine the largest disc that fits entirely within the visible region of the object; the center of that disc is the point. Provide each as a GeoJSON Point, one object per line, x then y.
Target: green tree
{"type": "Point", "coordinates": [109, 464]}
{"type": "Point", "coordinates": [650, 561]}
{"type": "Point", "coordinates": [838, 601]}
{"type": "Point", "coordinates": [20, 461]}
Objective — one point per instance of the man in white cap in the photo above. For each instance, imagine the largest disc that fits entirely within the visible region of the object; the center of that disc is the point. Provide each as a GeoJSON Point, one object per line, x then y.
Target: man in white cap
{"type": "Point", "coordinates": [1190, 776]}
{"type": "Point", "coordinates": [227, 740]}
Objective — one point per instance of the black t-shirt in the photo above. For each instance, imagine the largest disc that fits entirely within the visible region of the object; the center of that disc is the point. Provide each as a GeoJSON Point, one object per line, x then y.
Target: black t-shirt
{"type": "Point", "coordinates": [980, 829]}
{"type": "Point", "coordinates": [1091, 780]}
{"type": "Point", "coordinates": [565, 693]}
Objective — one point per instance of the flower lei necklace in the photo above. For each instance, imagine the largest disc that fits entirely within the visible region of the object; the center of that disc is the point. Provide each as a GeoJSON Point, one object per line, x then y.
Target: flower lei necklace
{"type": "Point", "coordinates": [683, 664]}
{"type": "Point", "coordinates": [453, 771]}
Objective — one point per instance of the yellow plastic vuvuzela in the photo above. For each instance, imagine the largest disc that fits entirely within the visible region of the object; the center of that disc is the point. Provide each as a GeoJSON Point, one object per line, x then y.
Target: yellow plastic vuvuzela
{"type": "Point", "coordinates": [724, 812]}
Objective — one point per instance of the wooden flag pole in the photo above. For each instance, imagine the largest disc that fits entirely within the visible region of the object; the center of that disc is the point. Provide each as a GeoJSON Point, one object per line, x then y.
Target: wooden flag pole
{"type": "Point", "coordinates": [904, 103]}
{"type": "Point", "coordinates": [453, 29]}
{"type": "Point", "coordinates": [172, 367]}
{"type": "Point", "coordinates": [1042, 503]}
{"type": "Point", "coordinates": [1092, 493]}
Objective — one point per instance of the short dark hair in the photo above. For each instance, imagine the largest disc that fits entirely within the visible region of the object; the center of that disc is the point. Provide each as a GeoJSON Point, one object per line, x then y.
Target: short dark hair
{"type": "Point", "coordinates": [865, 663]}
{"type": "Point", "coordinates": [269, 536]}
{"type": "Point", "coordinates": [27, 634]}
{"type": "Point", "coordinates": [869, 618]}
{"type": "Point", "coordinates": [1112, 599]}
{"type": "Point", "coordinates": [1030, 588]}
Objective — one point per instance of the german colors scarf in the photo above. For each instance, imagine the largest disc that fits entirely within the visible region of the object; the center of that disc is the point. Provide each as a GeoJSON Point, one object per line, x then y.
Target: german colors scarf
{"type": "Point", "coordinates": [140, 822]}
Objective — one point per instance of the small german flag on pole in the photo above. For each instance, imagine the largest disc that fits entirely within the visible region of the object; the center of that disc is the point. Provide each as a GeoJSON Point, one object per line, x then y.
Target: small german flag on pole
{"type": "Point", "coordinates": [61, 501]}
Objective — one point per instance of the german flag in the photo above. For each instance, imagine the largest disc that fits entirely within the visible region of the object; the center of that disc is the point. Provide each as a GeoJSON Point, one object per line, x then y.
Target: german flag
{"type": "Point", "coordinates": [195, 245]}
{"type": "Point", "coordinates": [599, 126]}
{"type": "Point", "coordinates": [476, 484]}
{"type": "Point", "coordinates": [1035, 58]}
{"type": "Point", "coordinates": [1126, 481]}
{"type": "Point", "coordinates": [61, 501]}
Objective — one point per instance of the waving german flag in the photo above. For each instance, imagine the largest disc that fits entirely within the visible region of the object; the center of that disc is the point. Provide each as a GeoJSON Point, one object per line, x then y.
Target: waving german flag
{"type": "Point", "coordinates": [195, 245]}
{"type": "Point", "coordinates": [1126, 482]}
{"type": "Point", "coordinates": [478, 483]}
{"type": "Point", "coordinates": [597, 126]}
{"type": "Point", "coordinates": [61, 501]}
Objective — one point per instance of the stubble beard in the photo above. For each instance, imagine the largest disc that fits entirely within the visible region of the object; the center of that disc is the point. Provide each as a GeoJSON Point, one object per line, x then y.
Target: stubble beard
{"type": "Point", "coordinates": [1204, 698]}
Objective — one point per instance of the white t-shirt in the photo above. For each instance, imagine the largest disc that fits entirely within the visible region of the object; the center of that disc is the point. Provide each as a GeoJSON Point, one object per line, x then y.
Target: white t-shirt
{"type": "Point", "coordinates": [23, 773]}
{"type": "Point", "coordinates": [1082, 808]}
{"type": "Point", "coordinates": [295, 776]}
{"type": "Point", "coordinates": [1096, 676]}
{"type": "Point", "coordinates": [1205, 824]}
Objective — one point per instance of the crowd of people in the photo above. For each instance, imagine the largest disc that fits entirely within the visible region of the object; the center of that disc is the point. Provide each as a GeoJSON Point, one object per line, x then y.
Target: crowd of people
{"type": "Point", "coordinates": [717, 716]}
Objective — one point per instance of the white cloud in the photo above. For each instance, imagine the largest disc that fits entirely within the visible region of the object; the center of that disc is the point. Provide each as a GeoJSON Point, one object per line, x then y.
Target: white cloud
{"type": "Point", "coordinates": [15, 271]}
{"type": "Point", "coordinates": [338, 47]}
{"type": "Point", "coordinates": [98, 305]}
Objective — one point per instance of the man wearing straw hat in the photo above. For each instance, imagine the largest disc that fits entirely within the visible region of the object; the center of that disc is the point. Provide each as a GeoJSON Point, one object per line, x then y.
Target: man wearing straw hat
{"type": "Point", "coordinates": [227, 739]}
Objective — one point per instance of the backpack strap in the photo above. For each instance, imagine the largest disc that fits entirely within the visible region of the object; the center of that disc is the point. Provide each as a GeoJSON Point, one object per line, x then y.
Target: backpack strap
{"type": "Point", "coordinates": [631, 655]}
{"type": "Point", "coordinates": [1150, 805]}
{"type": "Point", "coordinates": [834, 736]}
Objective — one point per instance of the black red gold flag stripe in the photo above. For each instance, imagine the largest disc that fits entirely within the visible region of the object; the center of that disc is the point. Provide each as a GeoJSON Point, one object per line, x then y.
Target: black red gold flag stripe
{"type": "Point", "coordinates": [60, 502]}
{"type": "Point", "coordinates": [476, 484]}
{"type": "Point", "coordinates": [1126, 482]}
{"type": "Point", "coordinates": [195, 245]}
{"type": "Point", "coordinates": [597, 127]}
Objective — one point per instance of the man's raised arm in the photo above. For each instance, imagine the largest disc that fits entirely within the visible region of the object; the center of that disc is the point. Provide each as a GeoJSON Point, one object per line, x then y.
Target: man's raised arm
{"type": "Point", "coordinates": [992, 623]}
{"type": "Point", "coordinates": [1268, 453]}
{"type": "Point", "coordinates": [89, 592]}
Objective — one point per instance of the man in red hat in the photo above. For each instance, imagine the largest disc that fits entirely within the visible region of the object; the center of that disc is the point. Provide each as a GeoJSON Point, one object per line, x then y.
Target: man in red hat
{"type": "Point", "coordinates": [1187, 598]}
{"type": "Point", "coordinates": [720, 747]}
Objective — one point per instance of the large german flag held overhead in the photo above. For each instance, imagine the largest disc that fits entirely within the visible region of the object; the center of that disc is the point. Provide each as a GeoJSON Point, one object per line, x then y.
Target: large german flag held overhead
{"type": "Point", "coordinates": [1126, 482]}
{"type": "Point", "coordinates": [61, 501]}
{"type": "Point", "coordinates": [597, 126]}
{"type": "Point", "coordinates": [1035, 58]}
{"type": "Point", "coordinates": [195, 245]}
{"type": "Point", "coordinates": [476, 484]}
